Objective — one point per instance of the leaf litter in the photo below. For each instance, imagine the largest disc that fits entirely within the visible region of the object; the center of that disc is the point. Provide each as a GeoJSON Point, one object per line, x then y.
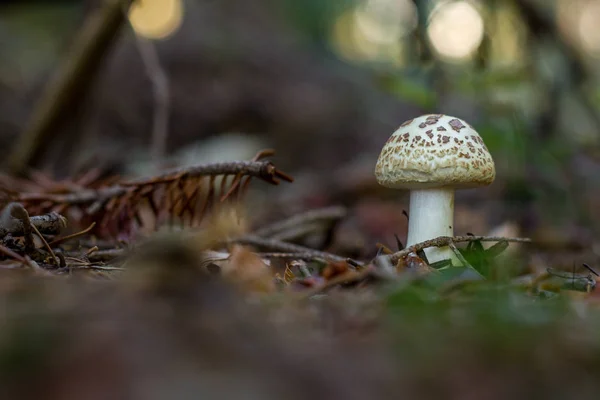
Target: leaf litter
{"type": "Point", "coordinates": [174, 263]}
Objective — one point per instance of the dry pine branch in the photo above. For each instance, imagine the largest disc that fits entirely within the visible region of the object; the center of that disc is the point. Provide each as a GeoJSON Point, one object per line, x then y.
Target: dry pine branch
{"type": "Point", "coordinates": [118, 208]}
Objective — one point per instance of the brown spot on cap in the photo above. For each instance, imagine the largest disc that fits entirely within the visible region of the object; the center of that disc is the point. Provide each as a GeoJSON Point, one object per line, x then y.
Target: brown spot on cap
{"type": "Point", "coordinates": [407, 122]}
{"type": "Point", "coordinates": [430, 133]}
{"type": "Point", "coordinates": [445, 139]}
{"type": "Point", "coordinates": [441, 129]}
{"type": "Point", "coordinates": [456, 125]}
{"type": "Point", "coordinates": [433, 119]}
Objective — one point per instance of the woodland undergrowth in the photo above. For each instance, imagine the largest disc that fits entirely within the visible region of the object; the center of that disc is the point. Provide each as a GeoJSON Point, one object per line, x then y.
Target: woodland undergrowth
{"type": "Point", "coordinates": [176, 259]}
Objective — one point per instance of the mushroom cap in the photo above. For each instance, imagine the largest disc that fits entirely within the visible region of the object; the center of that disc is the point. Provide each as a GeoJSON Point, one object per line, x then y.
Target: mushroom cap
{"type": "Point", "coordinates": [435, 150]}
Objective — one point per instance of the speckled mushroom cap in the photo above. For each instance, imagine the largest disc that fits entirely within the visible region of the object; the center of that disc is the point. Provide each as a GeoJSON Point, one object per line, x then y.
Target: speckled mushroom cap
{"type": "Point", "coordinates": [435, 151]}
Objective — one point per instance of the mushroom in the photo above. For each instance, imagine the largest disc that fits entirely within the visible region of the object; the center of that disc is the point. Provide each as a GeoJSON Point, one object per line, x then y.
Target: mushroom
{"type": "Point", "coordinates": [433, 155]}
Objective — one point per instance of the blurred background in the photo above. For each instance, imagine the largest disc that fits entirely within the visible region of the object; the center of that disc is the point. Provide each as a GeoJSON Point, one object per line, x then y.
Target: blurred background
{"type": "Point", "coordinates": [96, 84]}
{"type": "Point", "coordinates": [325, 83]}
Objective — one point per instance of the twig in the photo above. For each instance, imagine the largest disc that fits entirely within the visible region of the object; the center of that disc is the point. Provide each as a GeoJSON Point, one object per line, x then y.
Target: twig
{"type": "Point", "coordinates": [305, 256]}
{"type": "Point", "coordinates": [446, 240]}
{"type": "Point", "coordinates": [46, 245]}
{"type": "Point", "coordinates": [107, 255]}
{"type": "Point", "coordinates": [74, 235]}
{"type": "Point", "coordinates": [160, 89]}
{"type": "Point", "coordinates": [74, 260]}
{"type": "Point", "coordinates": [92, 266]}
{"type": "Point", "coordinates": [348, 277]}
{"type": "Point", "coordinates": [237, 179]}
{"type": "Point", "coordinates": [290, 251]}
{"type": "Point", "coordinates": [278, 245]}
{"type": "Point", "coordinates": [92, 250]}
{"type": "Point", "coordinates": [178, 193]}
{"type": "Point", "coordinates": [295, 233]}
{"type": "Point", "coordinates": [70, 82]}
{"type": "Point", "coordinates": [264, 170]}
{"type": "Point", "coordinates": [50, 224]}
{"type": "Point", "coordinates": [320, 215]}
{"type": "Point", "coordinates": [8, 252]}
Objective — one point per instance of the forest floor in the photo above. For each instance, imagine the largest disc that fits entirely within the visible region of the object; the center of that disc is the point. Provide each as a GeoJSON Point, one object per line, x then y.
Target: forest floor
{"type": "Point", "coordinates": [100, 299]}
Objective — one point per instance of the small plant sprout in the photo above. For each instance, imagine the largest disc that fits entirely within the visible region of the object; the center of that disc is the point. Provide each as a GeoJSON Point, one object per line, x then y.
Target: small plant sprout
{"type": "Point", "coordinates": [432, 156]}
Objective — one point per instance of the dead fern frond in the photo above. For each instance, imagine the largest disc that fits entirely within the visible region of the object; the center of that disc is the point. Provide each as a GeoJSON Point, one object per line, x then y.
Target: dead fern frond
{"type": "Point", "coordinates": [122, 208]}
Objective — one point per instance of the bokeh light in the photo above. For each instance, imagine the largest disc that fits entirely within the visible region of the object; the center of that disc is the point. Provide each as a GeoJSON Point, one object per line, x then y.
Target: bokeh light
{"type": "Point", "coordinates": [455, 29]}
{"type": "Point", "coordinates": [589, 26]}
{"type": "Point", "coordinates": [374, 30]}
{"type": "Point", "coordinates": [578, 24]}
{"type": "Point", "coordinates": [156, 19]}
{"type": "Point", "coordinates": [509, 32]}
{"type": "Point", "coordinates": [385, 21]}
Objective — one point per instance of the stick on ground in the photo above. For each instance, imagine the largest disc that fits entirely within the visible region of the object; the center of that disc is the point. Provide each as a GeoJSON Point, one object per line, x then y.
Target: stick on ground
{"type": "Point", "coordinates": [446, 240]}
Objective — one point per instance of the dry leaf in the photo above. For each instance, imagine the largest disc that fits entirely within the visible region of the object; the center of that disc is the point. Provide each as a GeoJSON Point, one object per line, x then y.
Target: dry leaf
{"type": "Point", "coordinates": [333, 269]}
{"type": "Point", "coordinates": [413, 263]}
{"type": "Point", "coordinates": [249, 270]}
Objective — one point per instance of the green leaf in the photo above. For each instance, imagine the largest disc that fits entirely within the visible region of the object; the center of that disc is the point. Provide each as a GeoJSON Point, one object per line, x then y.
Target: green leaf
{"type": "Point", "coordinates": [496, 249]}
{"type": "Point", "coordinates": [452, 274]}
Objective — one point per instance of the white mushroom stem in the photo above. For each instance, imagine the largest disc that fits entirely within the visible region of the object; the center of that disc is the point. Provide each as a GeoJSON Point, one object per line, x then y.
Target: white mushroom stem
{"type": "Point", "coordinates": [432, 215]}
